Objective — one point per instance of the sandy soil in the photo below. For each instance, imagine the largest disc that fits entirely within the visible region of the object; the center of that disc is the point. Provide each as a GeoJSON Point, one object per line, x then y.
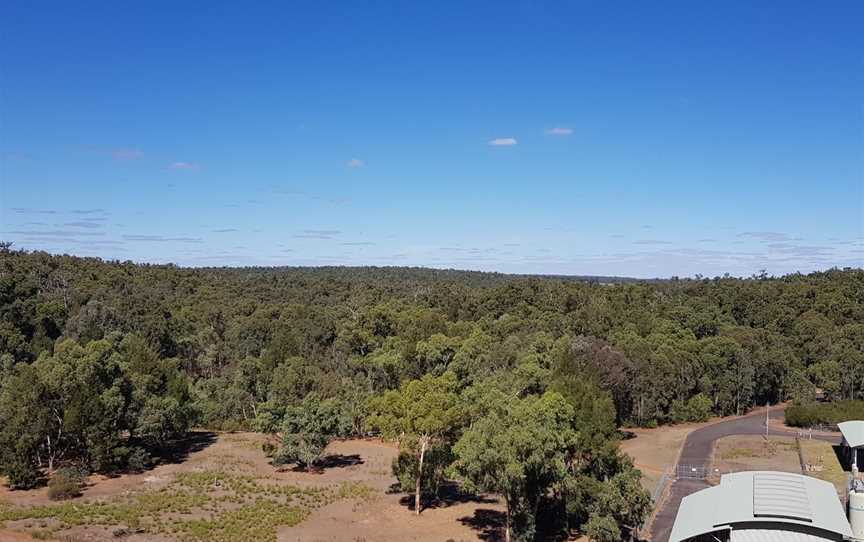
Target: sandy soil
{"type": "Point", "coordinates": [385, 516]}
{"type": "Point", "coordinates": [388, 516]}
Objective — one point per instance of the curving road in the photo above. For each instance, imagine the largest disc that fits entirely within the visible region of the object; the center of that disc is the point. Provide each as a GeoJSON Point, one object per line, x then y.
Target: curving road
{"type": "Point", "coordinates": [697, 451]}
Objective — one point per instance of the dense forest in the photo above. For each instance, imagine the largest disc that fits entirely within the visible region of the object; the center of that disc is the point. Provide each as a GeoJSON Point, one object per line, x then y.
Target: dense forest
{"type": "Point", "coordinates": [512, 385]}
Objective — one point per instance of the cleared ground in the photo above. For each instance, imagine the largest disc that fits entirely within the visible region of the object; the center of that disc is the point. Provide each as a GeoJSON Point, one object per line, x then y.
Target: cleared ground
{"type": "Point", "coordinates": [224, 488]}
{"type": "Point", "coordinates": [655, 451]}
{"type": "Point", "coordinates": [755, 452]}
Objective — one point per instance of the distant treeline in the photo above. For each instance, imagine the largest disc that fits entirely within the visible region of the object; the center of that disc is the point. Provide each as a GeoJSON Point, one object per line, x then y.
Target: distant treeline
{"type": "Point", "coordinates": [287, 349]}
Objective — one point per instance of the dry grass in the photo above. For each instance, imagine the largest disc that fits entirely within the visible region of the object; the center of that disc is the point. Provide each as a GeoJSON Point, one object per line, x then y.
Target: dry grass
{"type": "Point", "coordinates": [821, 454]}
{"type": "Point", "coordinates": [228, 491]}
{"type": "Point", "coordinates": [754, 452]}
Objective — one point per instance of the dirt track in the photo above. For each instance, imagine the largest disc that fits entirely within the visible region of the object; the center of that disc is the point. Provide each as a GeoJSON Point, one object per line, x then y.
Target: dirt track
{"type": "Point", "coordinates": [697, 451]}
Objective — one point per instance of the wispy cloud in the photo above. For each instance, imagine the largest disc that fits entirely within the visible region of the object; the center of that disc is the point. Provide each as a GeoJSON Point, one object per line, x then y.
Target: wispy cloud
{"type": "Point", "coordinates": [83, 224]}
{"type": "Point", "coordinates": [355, 163]}
{"type": "Point", "coordinates": [160, 239]}
{"type": "Point", "coordinates": [772, 236]}
{"type": "Point", "coordinates": [89, 211]}
{"type": "Point", "coordinates": [311, 236]}
{"type": "Point", "coordinates": [188, 166]}
{"type": "Point", "coordinates": [358, 244]}
{"type": "Point", "coordinates": [291, 191]}
{"type": "Point", "coordinates": [56, 233]}
{"type": "Point", "coordinates": [225, 230]}
{"type": "Point", "coordinates": [503, 142]}
{"type": "Point", "coordinates": [29, 211]}
{"type": "Point", "coordinates": [652, 242]}
{"type": "Point", "coordinates": [560, 131]}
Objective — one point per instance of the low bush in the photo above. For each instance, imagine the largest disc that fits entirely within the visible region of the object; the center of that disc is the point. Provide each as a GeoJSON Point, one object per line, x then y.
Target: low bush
{"type": "Point", "coordinates": [66, 483]}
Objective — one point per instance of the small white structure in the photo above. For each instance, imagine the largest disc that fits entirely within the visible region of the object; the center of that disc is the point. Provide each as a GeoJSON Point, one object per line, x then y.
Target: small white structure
{"type": "Point", "coordinates": [762, 506]}
{"type": "Point", "coordinates": [853, 442]}
{"type": "Point", "coordinates": [856, 509]}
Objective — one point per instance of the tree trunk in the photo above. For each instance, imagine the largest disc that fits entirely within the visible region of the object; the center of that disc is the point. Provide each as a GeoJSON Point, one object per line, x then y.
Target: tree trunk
{"type": "Point", "coordinates": [507, 523]}
{"type": "Point", "coordinates": [423, 441]}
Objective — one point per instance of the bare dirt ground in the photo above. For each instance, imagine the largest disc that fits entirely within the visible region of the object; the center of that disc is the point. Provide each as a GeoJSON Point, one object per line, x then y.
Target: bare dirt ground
{"type": "Point", "coordinates": [756, 452]}
{"type": "Point", "coordinates": [390, 516]}
{"type": "Point", "coordinates": [378, 515]}
{"type": "Point", "coordinates": [655, 451]}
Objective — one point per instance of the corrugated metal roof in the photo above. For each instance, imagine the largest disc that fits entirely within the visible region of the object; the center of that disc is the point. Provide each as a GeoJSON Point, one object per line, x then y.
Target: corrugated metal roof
{"type": "Point", "coordinates": [777, 501]}
{"type": "Point", "coordinates": [779, 494]}
{"type": "Point", "coordinates": [853, 433]}
{"type": "Point", "coordinates": [767, 535]}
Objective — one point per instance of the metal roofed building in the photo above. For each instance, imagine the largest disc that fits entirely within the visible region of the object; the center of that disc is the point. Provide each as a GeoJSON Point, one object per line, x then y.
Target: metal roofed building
{"type": "Point", "coordinates": [853, 441]}
{"type": "Point", "coordinates": [762, 506]}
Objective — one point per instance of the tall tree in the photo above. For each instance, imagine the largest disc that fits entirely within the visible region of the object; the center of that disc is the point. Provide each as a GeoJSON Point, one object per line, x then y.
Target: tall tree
{"type": "Point", "coordinates": [518, 450]}
{"type": "Point", "coordinates": [419, 414]}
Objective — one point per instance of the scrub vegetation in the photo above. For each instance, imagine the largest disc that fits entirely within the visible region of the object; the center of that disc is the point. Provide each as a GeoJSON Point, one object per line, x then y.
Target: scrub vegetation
{"type": "Point", "coordinates": [197, 506]}
{"type": "Point", "coordinates": [501, 384]}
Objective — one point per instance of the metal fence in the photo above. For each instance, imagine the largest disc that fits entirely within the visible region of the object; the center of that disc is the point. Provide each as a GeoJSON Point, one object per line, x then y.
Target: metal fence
{"type": "Point", "coordinates": [696, 472]}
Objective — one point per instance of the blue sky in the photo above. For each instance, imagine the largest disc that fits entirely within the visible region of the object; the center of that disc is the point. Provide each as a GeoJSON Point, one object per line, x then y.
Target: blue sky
{"type": "Point", "coordinates": [634, 138]}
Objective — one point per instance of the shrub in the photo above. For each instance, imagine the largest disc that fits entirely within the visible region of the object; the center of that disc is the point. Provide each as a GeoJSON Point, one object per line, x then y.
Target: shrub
{"type": "Point", "coordinates": [138, 460]}
{"type": "Point", "coordinates": [22, 475]}
{"type": "Point", "coordinates": [696, 409]}
{"type": "Point", "coordinates": [66, 483]}
{"type": "Point", "coordinates": [807, 415]}
{"type": "Point", "coordinates": [603, 529]}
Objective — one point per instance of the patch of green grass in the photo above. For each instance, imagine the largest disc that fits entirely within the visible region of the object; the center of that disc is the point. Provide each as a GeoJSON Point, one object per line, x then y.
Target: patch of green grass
{"type": "Point", "coordinates": [199, 506]}
{"type": "Point", "coordinates": [355, 490]}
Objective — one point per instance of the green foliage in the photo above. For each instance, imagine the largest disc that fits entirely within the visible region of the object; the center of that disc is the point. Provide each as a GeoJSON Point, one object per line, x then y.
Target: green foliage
{"type": "Point", "coordinates": [307, 430]}
{"type": "Point", "coordinates": [87, 404]}
{"type": "Point", "coordinates": [429, 406]}
{"type": "Point", "coordinates": [695, 409]}
{"type": "Point", "coordinates": [601, 528]}
{"type": "Point", "coordinates": [436, 461]}
{"type": "Point", "coordinates": [105, 363]}
{"type": "Point", "coordinates": [421, 414]}
{"type": "Point", "coordinates": [519, 450]}
{"type": "Point", "coordinates": [66, 483]}
{"type": "Point", "coordinates": [807, 415]}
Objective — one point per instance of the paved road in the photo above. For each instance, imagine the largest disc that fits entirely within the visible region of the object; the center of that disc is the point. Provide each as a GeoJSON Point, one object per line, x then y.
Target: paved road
{"type": "Point", "coordinates": [697, 453]}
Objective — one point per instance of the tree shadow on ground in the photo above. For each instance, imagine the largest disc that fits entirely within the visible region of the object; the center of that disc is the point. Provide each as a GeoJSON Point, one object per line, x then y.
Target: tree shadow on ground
{"type": "Point", "coordinates": [489, 524]}
{"type": "Point", "coordinates": [178, 451]}
{"type": "Point", "coordinates": [332, 461]}
{"type": "Point", "coordinates": [173, 452]}
{"type": "Point", "coordinates": [448, 494]}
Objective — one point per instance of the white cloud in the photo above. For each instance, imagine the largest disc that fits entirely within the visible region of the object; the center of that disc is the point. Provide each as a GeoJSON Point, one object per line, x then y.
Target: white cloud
{"type": "Point", "coordinates": [184, 165]}
{"type": "Point", "coordinates": [560, 131]}
{"type": "Point", "coordinates": [503, 142]}
{"type": "Point", "coordinates": [356, 163]}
